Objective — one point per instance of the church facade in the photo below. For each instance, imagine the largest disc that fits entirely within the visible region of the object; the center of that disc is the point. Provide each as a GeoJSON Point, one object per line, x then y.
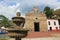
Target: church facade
{"type": "Point", "coordinates": [36, 21]}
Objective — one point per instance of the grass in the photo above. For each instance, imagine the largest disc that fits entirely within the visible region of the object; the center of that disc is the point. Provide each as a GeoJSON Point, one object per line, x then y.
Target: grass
{"type": "Point", "coordinates": [3, 39]}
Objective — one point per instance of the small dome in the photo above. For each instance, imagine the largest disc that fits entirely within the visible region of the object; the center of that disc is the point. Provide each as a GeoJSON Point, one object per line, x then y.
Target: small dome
{"type": "Point", "coordinates": [18, 14]}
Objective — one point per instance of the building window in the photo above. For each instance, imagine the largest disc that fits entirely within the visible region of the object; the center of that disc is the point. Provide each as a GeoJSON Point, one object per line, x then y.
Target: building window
{"type": "Point", "coordinates": [49, 22]}
{"type": "Point", "coordinates": [54, 23]}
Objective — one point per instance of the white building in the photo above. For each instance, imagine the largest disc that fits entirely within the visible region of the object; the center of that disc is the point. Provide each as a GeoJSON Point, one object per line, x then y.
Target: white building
{"type": "Point", "coordinates": [52, 24]}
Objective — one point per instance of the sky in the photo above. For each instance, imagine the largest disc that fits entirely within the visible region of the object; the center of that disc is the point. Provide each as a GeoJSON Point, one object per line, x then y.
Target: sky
{"type": "Point", "coordinates": [9, 8]}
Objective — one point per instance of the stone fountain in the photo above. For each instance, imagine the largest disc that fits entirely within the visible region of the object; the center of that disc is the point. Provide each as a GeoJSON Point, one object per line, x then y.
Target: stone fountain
{"type": "Point", "coordinates": [18, 32]}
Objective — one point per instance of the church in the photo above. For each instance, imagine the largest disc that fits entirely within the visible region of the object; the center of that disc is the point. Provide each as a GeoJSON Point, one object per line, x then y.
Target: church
{"type": "Point", "coordinates": [36, 21]}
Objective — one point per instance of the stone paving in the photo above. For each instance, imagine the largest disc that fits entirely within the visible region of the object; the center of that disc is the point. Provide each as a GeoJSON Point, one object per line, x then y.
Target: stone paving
{"type": "Point", "coordinates": [48, 38]}
{"type": "Point", "coordinates": [11, 38]}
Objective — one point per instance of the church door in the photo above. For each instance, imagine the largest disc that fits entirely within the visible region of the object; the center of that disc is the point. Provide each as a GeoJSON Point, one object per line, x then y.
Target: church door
{"type": "Point", "coordinates": [36, 26]}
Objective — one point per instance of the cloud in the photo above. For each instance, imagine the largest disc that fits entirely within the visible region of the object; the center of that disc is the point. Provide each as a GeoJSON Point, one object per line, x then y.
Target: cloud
{"type": "Point", "coordinates": [8, 11]}
{"type": "Point", "coordinates": [9, 7]}
{"type": "Point", "coordinates": [28, 4]}
{"type": "Point", "coordinates": [51, 3]}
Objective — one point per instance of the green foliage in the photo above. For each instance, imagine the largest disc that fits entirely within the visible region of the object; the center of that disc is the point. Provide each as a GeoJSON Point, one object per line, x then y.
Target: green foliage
{"type": "Point", "coordinates": [3, 39]}
{"type": "Point", "coordinates": [48, 12]}
{"type": "Point", "coordinates": [4, 21]}
{"type": "Point", "coordinates": [47, 8]}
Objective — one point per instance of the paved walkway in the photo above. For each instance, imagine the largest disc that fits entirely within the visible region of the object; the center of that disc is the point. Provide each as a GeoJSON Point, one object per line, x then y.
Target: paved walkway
{"type": "Point", "coordinates": [11, 38]}
{"type": "Point", "coordinates": [41, 38]}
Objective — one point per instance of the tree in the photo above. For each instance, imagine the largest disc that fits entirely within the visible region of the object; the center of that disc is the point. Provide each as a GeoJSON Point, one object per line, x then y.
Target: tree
{"type": "Point", "coordinates": [4, 21]}
{"type": "Point", "coordinates": [48, 12]}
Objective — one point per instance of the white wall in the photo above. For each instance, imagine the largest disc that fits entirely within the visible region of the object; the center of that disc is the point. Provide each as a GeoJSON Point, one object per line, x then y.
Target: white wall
{"type": "Point", "coordinates": [52, 24]}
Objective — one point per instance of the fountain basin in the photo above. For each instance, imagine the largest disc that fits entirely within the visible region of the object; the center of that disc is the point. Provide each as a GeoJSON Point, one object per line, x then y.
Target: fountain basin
{"type": "Point", "coordinates": [17, 33]}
